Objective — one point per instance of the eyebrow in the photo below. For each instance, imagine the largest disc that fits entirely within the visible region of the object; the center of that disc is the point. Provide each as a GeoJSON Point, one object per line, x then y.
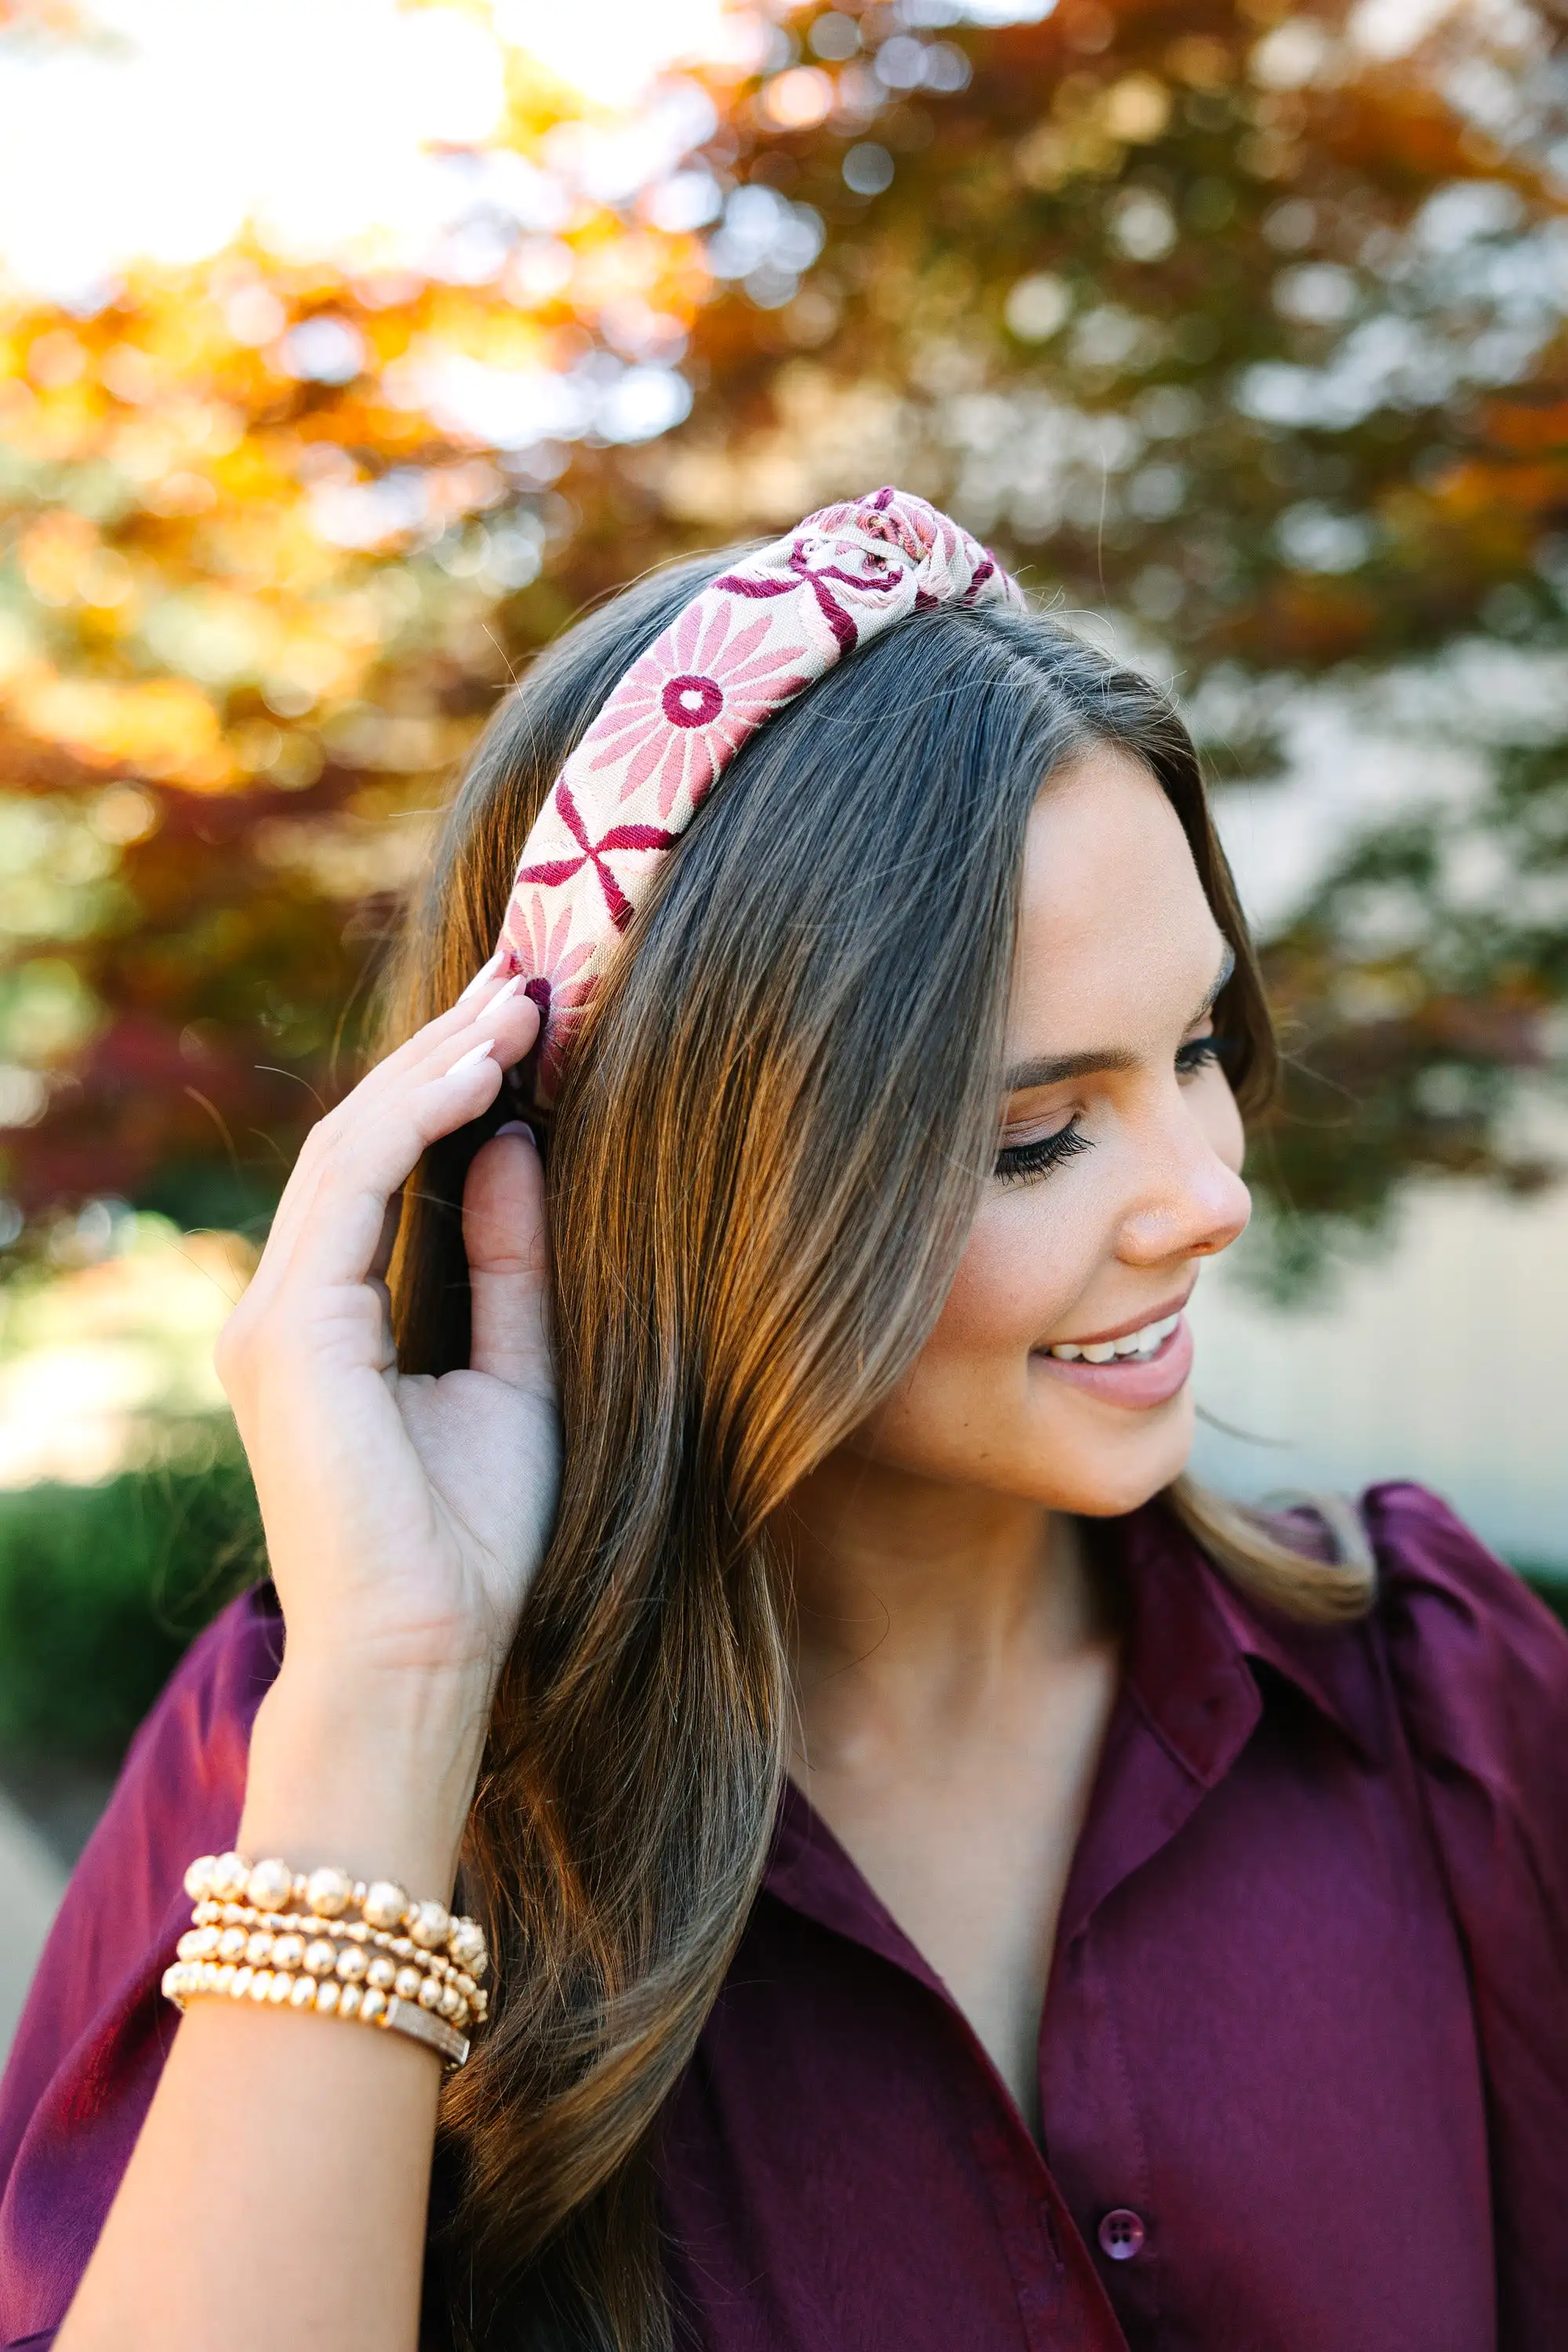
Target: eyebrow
{"type": "Point", "coordinates": [1056, 1068]}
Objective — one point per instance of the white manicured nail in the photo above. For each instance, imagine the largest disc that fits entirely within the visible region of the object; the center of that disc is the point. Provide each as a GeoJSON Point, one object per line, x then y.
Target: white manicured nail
{"type": "Point", "coordinates": [501, 994]}
{"type": "Point", "coordinates": [486, 971]}
{"type": "Point", "coordinates": [475, 1054]}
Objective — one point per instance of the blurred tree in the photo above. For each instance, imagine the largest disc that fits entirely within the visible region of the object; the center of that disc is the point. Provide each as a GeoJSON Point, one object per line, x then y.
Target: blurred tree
{"type": "Point", "coordinates": [1232, 324]}
{"type": "Point", "coordinates": [1243, 328]}
{"type": "Point", "coordinates": [270, 534]}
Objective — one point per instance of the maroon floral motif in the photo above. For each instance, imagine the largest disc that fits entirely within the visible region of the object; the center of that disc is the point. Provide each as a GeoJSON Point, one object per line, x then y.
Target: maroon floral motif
{"type": "Point", "coordinates": [553, 872]}
{"type": "Point", "coordinates": [738, 652]}
{"type": "Point", "coordinates": [689, 701]}
{"type": "Point", "coordinates": [875, 573]}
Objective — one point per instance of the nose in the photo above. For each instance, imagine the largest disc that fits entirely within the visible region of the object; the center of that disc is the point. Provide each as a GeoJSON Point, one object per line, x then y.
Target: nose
{"type": "Point", "coordinates": [1190, 1204]}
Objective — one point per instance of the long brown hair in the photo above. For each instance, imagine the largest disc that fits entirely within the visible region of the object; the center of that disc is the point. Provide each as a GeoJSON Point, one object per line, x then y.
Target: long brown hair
{"type": "Point", "coordinates": [765, 1158]}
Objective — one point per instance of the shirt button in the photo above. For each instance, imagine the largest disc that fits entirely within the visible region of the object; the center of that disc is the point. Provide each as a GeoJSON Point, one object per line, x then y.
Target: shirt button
{"type": "Point", "coordinates": [1121, 2234]}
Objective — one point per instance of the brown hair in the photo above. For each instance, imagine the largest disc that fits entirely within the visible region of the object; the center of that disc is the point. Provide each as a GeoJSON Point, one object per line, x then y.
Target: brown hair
{"type": "Point", "coordinates": [766, 1155]}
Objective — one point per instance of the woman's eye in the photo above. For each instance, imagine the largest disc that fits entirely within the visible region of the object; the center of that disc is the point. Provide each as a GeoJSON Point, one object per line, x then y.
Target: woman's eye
{"type": "Point", "coordinates": [1198, 1053]}
{"type": "Point", "coordinates": [1016, 1163]}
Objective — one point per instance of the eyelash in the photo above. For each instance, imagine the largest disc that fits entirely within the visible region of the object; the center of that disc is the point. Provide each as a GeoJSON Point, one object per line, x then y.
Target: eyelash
{"type": "Point", "coordinates": [1018, 1163]}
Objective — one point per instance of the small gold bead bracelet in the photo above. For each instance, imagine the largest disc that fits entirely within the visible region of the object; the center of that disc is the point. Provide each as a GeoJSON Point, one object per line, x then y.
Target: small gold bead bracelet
{"type": "Point", "coordinates": [292, 1940]}
{"type": "Point", "coordinates": [408, 1966]}
{"type": "Point", "coordinates": [190, 1980]}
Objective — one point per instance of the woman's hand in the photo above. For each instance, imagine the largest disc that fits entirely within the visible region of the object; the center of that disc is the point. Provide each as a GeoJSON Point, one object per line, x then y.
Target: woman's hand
{"type": "Point", "coordinates": [405, 1514]}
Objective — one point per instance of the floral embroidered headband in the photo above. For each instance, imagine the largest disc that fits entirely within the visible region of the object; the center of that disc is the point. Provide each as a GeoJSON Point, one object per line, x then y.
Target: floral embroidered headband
{"type": "Point", "coordinates": [744, 647]}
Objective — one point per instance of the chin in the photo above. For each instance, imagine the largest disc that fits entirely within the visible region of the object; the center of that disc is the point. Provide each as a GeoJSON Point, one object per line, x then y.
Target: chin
{"type": "Point", "coordinates": [1112, 1473]}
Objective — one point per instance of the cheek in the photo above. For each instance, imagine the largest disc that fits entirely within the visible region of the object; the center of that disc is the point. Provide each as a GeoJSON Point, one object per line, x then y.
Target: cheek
{"type": "Point", "coordinates": [1021, 1272]}
{"type": "Point", "coordinates": [968, 1397]}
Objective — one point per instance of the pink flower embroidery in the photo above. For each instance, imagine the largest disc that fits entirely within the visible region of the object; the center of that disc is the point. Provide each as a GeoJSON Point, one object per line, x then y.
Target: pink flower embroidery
{"type": "Point", "coordinates": [683, 712]}
{"type": "Point", "coordinates": [746, 645]}
{"type": "Point", "coordinates": [539, 942]}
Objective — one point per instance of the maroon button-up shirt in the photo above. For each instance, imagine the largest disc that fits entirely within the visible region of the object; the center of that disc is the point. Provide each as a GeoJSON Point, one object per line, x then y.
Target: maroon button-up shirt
{"type": "Point", "coordinates": [1303, 2059]}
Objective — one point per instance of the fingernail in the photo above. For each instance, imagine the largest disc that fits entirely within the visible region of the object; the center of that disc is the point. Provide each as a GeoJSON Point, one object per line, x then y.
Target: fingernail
{"type": "Point", "coordinates": [475, 1054]}
{"type": "Point", "coordinates": [486, 971]}
{"type": "Point", "coordinates": [510, 989]}
{"type": "Point", "coordinates": [519, 1127]}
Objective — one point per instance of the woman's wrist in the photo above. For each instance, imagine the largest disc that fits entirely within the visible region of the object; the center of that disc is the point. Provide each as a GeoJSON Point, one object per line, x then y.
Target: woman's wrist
{"type": "Point", "coordinates": [374, 1771]}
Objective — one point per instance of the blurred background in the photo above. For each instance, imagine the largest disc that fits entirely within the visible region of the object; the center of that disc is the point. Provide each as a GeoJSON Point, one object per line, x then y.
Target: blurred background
{"type": "Point", "coordinates": [346, 351]}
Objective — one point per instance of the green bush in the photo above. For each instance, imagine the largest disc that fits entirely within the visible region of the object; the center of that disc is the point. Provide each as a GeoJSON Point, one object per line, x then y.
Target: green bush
{"type": "Point", "coordinates": [102, 1587]}
{"type": "Point", "coordinates": [1552, 1585]}
{"type": "Point", "coordinates": [101, 1590]}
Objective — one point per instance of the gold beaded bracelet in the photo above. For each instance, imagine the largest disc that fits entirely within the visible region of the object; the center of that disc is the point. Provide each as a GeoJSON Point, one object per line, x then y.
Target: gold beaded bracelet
{"type": "Point", "coordinates": [195, 1980]}
{"type": "Point", "coordinates": [262, 1939]}
{"type": "Point", "coordinates": [409, 1966]}
{"type": "Point", "coordinates": [329, 1894]}
{"type": "Point", "coordinates": [234, 1931]}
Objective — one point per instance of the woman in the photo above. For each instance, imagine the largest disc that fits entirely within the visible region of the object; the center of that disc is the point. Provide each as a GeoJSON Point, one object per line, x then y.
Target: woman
{"type": "Point", "coordinates": [950, 1883]}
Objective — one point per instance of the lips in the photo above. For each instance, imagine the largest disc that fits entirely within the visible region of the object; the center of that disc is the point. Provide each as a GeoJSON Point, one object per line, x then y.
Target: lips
{"type": "Point", "coordinates": [1136, 1381]}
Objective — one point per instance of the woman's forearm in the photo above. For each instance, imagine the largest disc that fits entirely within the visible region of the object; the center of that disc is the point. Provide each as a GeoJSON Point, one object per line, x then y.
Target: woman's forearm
{"type": "Point", "coordinates": [278, 2192]}
{"type": "Point", "coordinates": [276, 2195]}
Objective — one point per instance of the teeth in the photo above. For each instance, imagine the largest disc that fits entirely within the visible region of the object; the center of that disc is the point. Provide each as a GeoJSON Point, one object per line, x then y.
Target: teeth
{"type": "Point", "coordinates": [1132, 1343]}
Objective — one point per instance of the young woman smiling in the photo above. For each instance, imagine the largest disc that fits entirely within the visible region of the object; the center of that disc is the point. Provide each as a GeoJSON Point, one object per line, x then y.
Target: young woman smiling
{"type": "Point", "coordinates": [949, 1881]}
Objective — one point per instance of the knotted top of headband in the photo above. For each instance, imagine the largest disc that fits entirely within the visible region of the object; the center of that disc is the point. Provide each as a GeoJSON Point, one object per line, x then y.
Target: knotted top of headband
{"type": "Point", "coordinates": [743, 648]}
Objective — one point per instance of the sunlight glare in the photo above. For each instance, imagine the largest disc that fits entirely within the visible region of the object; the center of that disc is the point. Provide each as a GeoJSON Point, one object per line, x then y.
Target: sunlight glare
{"type": "Point", "coordinates": [178, 122]}
{"type": "Point", "coordinates": [611, 49]}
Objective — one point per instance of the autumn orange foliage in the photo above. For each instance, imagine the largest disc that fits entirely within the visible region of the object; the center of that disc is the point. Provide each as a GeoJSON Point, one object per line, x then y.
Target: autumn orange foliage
{"type": "Point", "coordinates": [1211, 317]}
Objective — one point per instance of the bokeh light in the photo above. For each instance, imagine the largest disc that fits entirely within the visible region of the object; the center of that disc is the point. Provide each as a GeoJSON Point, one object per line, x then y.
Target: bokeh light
{"type": "Point", "coordinates": [324, 130]}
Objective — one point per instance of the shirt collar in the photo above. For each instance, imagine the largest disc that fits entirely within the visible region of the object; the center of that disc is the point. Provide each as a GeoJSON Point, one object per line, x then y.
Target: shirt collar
{"type": "Point", "coordinates": [810, 1871]}
{"type": "Point", "coordinates": [1194, 1645]}
{"type": "Point", "coordinates": [1192, 1628]}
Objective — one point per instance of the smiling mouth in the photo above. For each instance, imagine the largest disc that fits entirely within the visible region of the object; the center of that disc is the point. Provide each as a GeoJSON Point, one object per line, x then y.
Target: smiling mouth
{"type": "Point", "coordinates": [1139, 1369]}
{"type": "Point", "coordinates": [1136, 1347]}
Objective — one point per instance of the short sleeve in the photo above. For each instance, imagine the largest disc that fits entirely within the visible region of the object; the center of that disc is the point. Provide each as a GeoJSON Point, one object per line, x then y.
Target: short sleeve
{"type": "Point", "coordinates": [1480, 1666]}
{"type": "Point", "coordinates": [96, 2029]}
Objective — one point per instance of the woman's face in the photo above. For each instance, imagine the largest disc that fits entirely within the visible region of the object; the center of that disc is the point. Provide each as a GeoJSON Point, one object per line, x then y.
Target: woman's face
{"type": "Point", "coordinates": [1118, 1173]}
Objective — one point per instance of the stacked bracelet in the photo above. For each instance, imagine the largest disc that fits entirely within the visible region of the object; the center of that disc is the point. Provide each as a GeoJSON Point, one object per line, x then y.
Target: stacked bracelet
{"type": "Point", "coordinates": [267, 1934]}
